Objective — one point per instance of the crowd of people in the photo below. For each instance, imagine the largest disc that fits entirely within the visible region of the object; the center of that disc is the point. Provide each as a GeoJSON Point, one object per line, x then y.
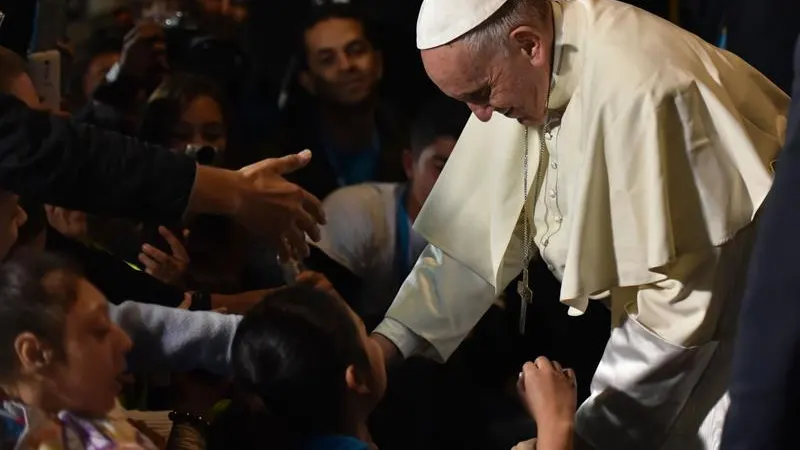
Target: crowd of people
{"type": "Point", "coordinates": [208, 249]}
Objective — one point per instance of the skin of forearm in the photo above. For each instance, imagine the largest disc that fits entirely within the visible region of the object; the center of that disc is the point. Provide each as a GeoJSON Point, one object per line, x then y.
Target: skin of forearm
{"type": "Point", "coordinates": [239, 303]}
{"type": "Point", "coordinates": [555, 437]}
{"type": "Point", "coordinates": [216, 191]}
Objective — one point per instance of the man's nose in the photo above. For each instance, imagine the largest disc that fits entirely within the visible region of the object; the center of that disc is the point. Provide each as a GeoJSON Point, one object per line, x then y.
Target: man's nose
{"type": "Point", "coordinates": [483, 113]}
{"type": "Point", "coordinates": [346, 63]}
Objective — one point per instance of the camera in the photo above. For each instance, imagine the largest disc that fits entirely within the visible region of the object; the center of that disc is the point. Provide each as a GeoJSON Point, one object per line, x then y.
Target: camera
{"type": "Point", "coordinates": [205, 155]}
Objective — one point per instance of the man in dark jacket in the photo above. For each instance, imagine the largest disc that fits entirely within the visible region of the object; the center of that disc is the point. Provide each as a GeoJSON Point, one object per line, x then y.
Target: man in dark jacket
{"type": "Point", "coordinates": [50, 159]}
{"type": "Point", "coordinates": [765, 383]}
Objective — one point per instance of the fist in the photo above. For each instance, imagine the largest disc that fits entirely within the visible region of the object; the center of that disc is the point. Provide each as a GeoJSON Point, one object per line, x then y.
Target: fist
{"type": "Point", "coordinates": [548, 392]}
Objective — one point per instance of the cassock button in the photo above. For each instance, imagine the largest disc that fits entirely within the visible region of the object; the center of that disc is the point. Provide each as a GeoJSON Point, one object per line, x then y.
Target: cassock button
{"type": "Point", "coordinates": [552, 193]}
{"type": "Point", "coordinates": [550, 267]}
{"type": "Point", "coordinates": [545, 241]}
{"type": "Point", "coordinates": [558, 219]}
{"type": "Point", "coordinates": [554, 165]}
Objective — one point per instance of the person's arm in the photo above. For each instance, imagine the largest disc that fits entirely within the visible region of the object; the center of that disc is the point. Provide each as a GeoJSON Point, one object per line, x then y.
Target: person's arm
{"type": "Point", "coordinates": [176, 339]}
{"type": "Point", "coordinates": [766, 361]}
{"type": "Point", "coordinates": [50, 159]}
{"type": "Point", "coordinates": [436, 308]}
{"type": "Point", "coordinates": [665, 351]}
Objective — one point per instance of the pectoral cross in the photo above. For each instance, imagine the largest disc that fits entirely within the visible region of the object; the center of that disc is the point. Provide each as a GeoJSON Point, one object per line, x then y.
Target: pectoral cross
{"type": "Point", "coordinates": [525, 298]}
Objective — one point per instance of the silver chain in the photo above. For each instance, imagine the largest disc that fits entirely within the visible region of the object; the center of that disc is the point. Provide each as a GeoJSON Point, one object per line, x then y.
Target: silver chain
{"type": "Point", "coordinates": [527, 245]}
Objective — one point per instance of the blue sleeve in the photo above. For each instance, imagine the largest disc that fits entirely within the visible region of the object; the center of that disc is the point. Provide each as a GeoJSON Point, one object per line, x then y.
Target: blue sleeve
{"type": "Point", "coordinates": [176, 339]}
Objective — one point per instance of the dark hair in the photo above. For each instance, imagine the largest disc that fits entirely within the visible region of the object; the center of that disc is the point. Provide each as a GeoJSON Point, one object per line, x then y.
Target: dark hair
{"type": "Point", "coordinates": [442, 116]}
{"type": "Point", "coordinates": [290, 355]}
{"type": "Point", "coordinates": [34, 300]}
{"type": "Point", "coordinates": [331, 10]}
{"type": "Point", "coordinates": [171, 99]}
{"type": "Point", "coordinates": [103, 42]}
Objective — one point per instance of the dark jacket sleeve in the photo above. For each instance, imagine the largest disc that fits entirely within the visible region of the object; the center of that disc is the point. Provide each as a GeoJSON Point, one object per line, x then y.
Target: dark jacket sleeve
{"type": "Point", "coordinates": [113, 276]}
{"type": "Point", "coordinates": [50, 159]}
{"type": "Point", "coordinates": [764, 389]}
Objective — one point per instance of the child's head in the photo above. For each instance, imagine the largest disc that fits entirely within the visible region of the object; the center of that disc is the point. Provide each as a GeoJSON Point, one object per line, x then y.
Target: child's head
{"type": "Point", "coordinates": [58, 348]}
{"type": "Point", "coordinates": [305, 361]}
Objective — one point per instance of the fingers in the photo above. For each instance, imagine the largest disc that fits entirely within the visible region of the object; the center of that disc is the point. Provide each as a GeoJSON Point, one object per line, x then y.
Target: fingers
{"type": "Point", "coordinates": [557, 366]}
{"type": "Point", "coordinates": [178, 250]}
{"type": "Point", "coordinates": [307, 224]}
{"type": "Point", "coordinates": [296, 239]}
{"type": "Point", "coordinates": [154, 254]}
{"type": "Point", "coordinates": [281, 166]}
{"type": "Point", "coordinates": [187, 301]}
{"type": "Point", "coordinates": [314, 207]}
{"type": "Point", "coordinates": [571, 376]}
{"type": "Point", "coordinates": [284, 251]}
{"type": "Point", "coordinates": [290, 163]}
{"type": "Point", "coordinates": [149, 263]}
{"type": "Point", "coordinates": [543, 363]}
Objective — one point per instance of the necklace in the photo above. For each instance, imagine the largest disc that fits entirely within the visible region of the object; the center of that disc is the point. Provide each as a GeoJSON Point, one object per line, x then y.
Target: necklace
{"type": "Point", "coordinates": [523, 286]}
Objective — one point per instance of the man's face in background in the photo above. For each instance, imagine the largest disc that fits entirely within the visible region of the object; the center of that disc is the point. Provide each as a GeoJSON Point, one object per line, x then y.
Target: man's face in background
{"type": "Point", "coordinates": [424, 170]}
{"type": "Point", "coordinates": [344, 67]}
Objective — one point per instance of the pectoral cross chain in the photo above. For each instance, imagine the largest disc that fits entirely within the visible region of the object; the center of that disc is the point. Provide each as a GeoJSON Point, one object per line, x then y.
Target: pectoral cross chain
{"type": "Point", "coordinates": [526, 298]}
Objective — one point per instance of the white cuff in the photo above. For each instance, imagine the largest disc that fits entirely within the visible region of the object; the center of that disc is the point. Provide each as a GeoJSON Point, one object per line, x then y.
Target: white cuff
{"type": "Point", "coordinates": [401, 336]}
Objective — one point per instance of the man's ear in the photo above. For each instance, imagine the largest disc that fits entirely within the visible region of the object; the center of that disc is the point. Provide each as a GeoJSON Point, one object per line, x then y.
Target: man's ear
{"type": "Point", "coordinates": [31, 352]}
{"type": "Point", "coordinates": [530, 41]}
{"type": "Point", "coordinates": [307, 82]}
{"type": "Point", "coordinates": [355, 382]}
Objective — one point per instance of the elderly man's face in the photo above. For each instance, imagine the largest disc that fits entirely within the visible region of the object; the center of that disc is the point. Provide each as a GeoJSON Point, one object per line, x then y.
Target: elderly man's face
{"type": "Point", "coordinates": [514, 84]}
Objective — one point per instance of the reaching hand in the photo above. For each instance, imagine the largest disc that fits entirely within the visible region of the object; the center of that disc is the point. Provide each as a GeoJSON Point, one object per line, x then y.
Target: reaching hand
{"type": "Point", "coordinates": [549, 392]}
{"type": "Point", "coordinates": [317, 281]}
{"type": "Point", "coordinates": [144, 53]}
{"type": "Point", "coordinates": [169, 268]}
{"type": "Point", "coordinates": [72, 224]}
{"type": "Point", "coordinates": [278, 209]}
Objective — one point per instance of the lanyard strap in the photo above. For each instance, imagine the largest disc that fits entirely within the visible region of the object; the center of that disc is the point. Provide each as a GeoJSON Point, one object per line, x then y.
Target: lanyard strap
{"type": "Point", "coordinates": [333, 158]}
{"type": "Point", "coordinates": [403, 230]}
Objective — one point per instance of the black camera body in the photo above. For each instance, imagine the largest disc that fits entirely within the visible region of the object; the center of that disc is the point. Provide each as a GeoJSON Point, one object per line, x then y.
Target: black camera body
{"type": "Point", "coordinates": [205, 155]}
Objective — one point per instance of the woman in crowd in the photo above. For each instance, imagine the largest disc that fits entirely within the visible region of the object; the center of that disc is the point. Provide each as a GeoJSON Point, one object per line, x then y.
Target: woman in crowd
{"type": "Point", "coordinates": [61, 361]}
{"type": "Point", "coordinates": [189, 113]}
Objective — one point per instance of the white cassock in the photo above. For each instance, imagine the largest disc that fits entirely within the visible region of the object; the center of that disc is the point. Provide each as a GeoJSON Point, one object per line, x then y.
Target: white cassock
{"type": "Point", "coordinates": [649, 186]}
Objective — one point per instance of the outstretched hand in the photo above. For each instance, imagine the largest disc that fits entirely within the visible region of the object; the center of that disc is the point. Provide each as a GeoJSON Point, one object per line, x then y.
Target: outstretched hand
{"type": "Point", "coordinates": [169, 268]}
{"type": "Point", "coordinates": [548, 391]}
{"type": "Point", "coordinates": [278, 209]}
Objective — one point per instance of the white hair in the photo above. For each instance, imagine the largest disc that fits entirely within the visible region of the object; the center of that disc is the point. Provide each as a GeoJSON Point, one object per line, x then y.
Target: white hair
{"type": "Point", "coordinates": [493, 33]}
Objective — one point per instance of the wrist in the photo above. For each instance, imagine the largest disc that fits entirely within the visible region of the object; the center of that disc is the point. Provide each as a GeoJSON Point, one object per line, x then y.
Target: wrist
{"type": "Point", "coordinates": [217, 191]}
{"type": "Point", "coordinates": [201, 301]}
{"type": "Point", "coordinates": [555, 435]}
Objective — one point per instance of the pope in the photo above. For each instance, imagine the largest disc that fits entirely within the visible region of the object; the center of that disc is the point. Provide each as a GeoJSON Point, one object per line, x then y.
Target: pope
{"type": "Point", "coordinates": [632, 158]}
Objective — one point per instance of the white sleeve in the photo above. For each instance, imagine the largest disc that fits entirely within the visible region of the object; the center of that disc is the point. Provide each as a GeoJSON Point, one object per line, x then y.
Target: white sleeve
{"type": "Point", "coordinates": [663, 359]}
{"type": "Point", "coordinates": [437, 306]}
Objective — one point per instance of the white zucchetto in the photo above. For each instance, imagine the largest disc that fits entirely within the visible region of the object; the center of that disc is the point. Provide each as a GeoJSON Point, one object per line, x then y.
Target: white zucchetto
{"type": "Point", "coordinates": [443, 21]}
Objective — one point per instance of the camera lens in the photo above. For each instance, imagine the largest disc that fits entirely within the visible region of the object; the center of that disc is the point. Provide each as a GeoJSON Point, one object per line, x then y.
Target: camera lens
{"type": "Point", "coordinates": [204, 155]}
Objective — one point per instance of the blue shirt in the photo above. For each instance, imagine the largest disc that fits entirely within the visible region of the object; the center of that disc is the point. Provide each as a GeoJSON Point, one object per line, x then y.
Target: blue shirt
{"type": "Point", "coordinates": [354, 167]}
{"type": "Point", "coordinates": [334, 443]}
